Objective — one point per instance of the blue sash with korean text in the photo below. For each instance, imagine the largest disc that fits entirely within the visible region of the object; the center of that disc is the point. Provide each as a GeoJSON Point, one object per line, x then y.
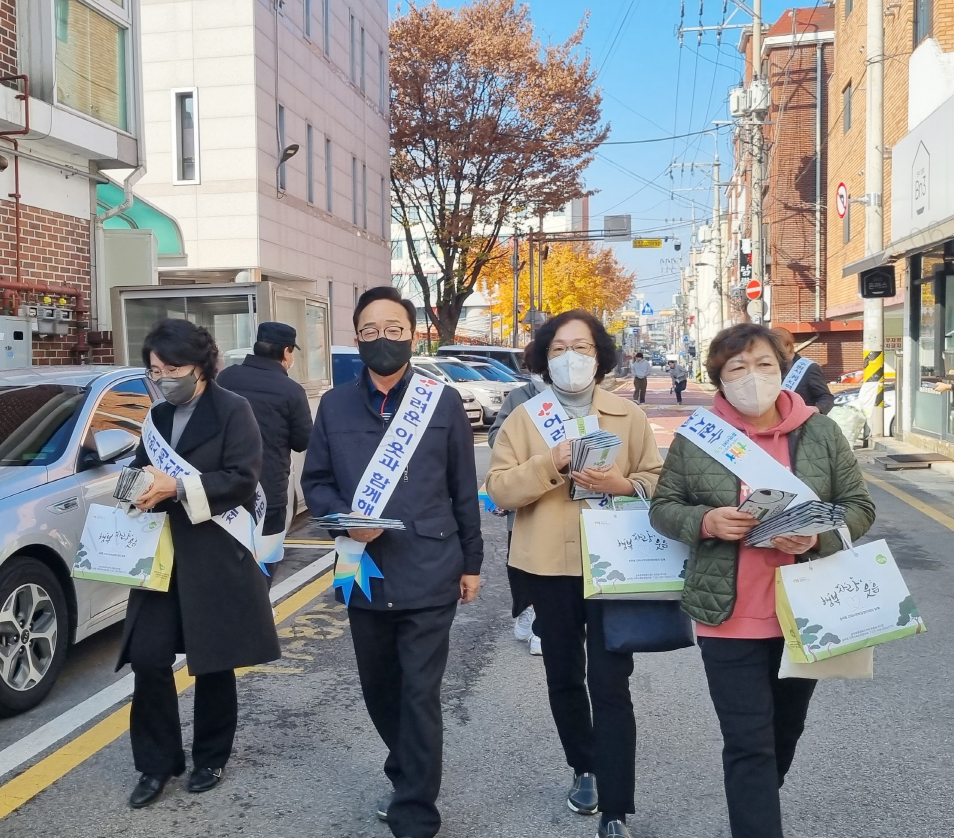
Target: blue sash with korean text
{"type": "Point", "coordinates": [796, 374]}
{"type": "Point", "coordinates": [239, 522]}
{"type": "Point", "coordinates": [395, 450]}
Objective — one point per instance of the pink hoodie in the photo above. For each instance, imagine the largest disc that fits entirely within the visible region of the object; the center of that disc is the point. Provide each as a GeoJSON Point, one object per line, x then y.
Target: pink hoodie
{"type": "Point", "coordinates": [754, 614]}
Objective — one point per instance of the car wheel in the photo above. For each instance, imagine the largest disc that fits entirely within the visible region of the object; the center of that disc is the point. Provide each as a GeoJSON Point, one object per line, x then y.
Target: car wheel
{"type": "Point", "coordinates": [33, 633]}
{"type": "Point", "coordinates": [891, 428]}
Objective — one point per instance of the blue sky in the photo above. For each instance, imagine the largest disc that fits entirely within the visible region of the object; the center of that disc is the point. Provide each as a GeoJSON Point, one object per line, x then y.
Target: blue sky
{"type": "Point", "coordinates": [652, 88]}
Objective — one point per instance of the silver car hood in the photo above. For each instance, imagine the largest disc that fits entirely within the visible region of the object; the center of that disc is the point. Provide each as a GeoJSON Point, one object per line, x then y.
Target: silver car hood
{"type": "Point", "coordinates": [17, 479]}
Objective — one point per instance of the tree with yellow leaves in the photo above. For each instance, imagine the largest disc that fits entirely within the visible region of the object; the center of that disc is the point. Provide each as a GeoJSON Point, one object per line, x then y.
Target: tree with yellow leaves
{"type": "Point", "coordinates": [578, 275]}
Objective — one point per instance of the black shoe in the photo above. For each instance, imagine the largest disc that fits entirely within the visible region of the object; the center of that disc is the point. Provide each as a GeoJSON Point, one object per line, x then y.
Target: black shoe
{"type": "Point", "coordinates": [204, 779]}
{"type": "Point", "coordinates": [381, 808]}
{"type": "Point", "coordinates": [582, 798]}
{"type": "Point", "coordinates": [147, 790]}
{"type": "Point", "coordinates": [613, 829]}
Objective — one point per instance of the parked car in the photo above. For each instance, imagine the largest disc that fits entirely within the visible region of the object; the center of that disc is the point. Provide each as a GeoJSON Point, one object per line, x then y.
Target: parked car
{"type": "Point", "coordinates": [658, 359]}
{"type": "Point", "coordinates": [510, 357]}
{"type": "Point", "coordinates": [475, 413]}
{"type": "Point", "coordinates": [523, 378]}
{"type": "Point", "coordinates": [64, 436]}
{"type": "Point", "coordinates": [489, 394]}
{"type": "Point", "coordinates": [852, 398]}
{"type": "Point", "coordinates": [492, 372]}
{"type": "Point", "coordinates": [346, 364]}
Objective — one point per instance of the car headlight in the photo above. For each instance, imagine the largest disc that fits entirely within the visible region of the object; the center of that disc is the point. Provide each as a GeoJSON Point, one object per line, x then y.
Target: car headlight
{"type": "Point", "coordinates": [496, 399]}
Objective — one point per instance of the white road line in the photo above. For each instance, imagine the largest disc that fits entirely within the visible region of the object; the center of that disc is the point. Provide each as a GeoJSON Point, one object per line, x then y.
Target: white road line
{"type": "Point", "coordinates": [25, 749]}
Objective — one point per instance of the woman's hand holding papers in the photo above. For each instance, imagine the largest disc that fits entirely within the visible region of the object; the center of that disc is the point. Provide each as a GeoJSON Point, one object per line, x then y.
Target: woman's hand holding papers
{"type": "Point", "coordinates": [560, 454]}
{"type": "Point", "coordinates": [610, 481]}
{"type": "Point", "coordinates": [163, 487]}
{"type": "Point", "coordinates": [727, 523]}
{"type": "Point", "coordinates": [795, 545]}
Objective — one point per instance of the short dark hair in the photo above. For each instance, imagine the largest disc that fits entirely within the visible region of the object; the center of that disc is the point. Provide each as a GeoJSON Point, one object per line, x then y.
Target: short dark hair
{"type": "Point", "coordinates": [384, 292]}
{"type": "Point", "coordinates": [536, 351]}
{"type": "Point", "coordinates": [272, 351]}
{"type": "Point", "coordinates": [639, 354]}
{"type": "Point", "coordinates": [179, 343]}
{"type": "Point", "coordinates": [735, 339]}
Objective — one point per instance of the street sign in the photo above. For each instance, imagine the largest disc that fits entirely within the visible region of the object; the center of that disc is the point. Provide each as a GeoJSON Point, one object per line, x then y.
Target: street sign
{"type": "Point", "coordinates": [685, 338]}
{"type": "Point", "coordinates": [745, 261]}
{"type": "Point", "coordinates": [617, 228]}
{"type": "Point", "coordinates": [877, 283]}
{"type": "Point", "coordinates": [647, 310]}
{"type": "Point", "coordinates": [647, 242]}
{"type": "Point", "coordinates": [841, 199]}
{"type": "Point", "coordinates": [756, 310]}
{"type": "Point", "coordinates": [753, 289]}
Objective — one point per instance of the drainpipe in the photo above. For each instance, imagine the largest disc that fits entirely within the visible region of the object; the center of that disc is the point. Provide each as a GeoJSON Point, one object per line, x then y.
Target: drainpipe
{"type": "Point", "coordinates": [818, 177]}
{"type": "Point", "coordinates": [24, 97]}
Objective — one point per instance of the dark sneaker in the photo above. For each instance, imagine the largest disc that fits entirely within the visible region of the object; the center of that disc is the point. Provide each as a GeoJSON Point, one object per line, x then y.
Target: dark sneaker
{"type": "Point", "coordinates": [613, 829]}
{"type": "Point", "coordinates": [381, 808]}
{"type": "Point", "coordinates": [582, 798]}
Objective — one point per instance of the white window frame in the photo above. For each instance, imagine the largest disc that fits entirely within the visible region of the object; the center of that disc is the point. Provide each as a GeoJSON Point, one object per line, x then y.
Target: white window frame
{"type": "Point", "coordinates": [176, 92]}
{"type": "Point", "coordinates": [122, 17]}
{"type": "Point", "coordinates": [364, 196]}
{"type": "Point", "coordinates": [306, 14]}
{"type": "Point", "coordinates": [384, 214]}
{"type": "Point", "coordinates": [382, 81]}
{"type": "Point", "coordinates": [326, 26]}
{"type": "Point", "coordinates": [310, 163]}
{"type": "Point", "coordinates": [329, 175]}
{"type": "Point", "coordinates": [354, 190]}
{"type": "Point", "coordinates": [363, 60]}
{"type": "Point", "coordinates": [352, 49]}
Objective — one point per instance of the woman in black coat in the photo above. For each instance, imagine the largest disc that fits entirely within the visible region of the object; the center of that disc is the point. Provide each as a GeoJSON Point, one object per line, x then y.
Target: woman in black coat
{"type": "Point", "coordinates": [217, 609]}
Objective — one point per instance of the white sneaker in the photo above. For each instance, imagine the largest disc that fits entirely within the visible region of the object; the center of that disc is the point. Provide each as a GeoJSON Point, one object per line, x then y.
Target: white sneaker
{"type": "Point", "coordinates": [536, 646]}
{"type": "Point", "coordinates": [523, 627]}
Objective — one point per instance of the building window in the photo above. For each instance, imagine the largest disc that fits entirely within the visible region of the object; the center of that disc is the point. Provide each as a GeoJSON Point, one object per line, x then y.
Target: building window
{"type": "Point", "coordinates": [364, 196]}
{"type": "Point", "coordinates": [310, 164]}
{"type": "Point", "coordinates": [364, 60]}
{"type": "Point", "coordinates": [849, 5]}
{"type": "Point", "coordinates": [354, 191]}
{"type": "Point", "coordinates": [185, 122]}
{"type": "Point", "coordinates": [352, 48]}
{"type": "Point", "coordinates": [923, 20]}
{"type": "Point", "coordinates": [307, 12]}
{"type": "Point", "coordinates": [382, 81]}
{"type": "Point", "coordinates": [846, 108]}
{"type": "Point", "coordinates": [397, 249]}
{"type": "Point", "coordinates": [384, 211]}
{"type": "Point", "coordinates": [329, 183]}
{"type": "Point", "coordinates": [356, 295]}
{"type": "Point", "coordinates": [281, 146]}
{"type": "Point", "coordinates": [91, 72]}
{"type": "Point", "coordinates": [326, 25]}
{"type": "Point", "coordinates": [846, 226]}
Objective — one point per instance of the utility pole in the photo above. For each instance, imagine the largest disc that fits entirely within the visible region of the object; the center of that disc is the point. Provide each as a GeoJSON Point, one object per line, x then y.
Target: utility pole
{"type": "Point", "coordinates": [759, 105]}
{"type": "Point", "coordinates": [872, 388]}
{"type": "Point", "coordinates": [532, 311]}
{"type": "Point", "coordinates": [717, 232]}
{"type": "Point", "coordinates": [515, 262]}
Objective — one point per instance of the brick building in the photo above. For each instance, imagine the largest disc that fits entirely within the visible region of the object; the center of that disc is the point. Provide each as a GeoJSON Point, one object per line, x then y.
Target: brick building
{"type": "Point", "coordinates": [64, 122]}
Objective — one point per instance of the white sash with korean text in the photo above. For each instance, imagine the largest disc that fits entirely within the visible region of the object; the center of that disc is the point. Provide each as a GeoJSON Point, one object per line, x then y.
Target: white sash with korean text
{"type": "Point", "coordinates": [548, 416]}
{"type": "Point", "coordinates": [796, 373]}
{"type": "Point", "coordinates": [397, 447]}
{"type": "Point", "coordinates": [239, 522]}
{"type": "Point", "coordinates": [740, 455]}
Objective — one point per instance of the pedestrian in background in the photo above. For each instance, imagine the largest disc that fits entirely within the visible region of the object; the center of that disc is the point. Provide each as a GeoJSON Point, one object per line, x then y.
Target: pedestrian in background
{"type": "Point", "coordinates": [281, 409]}
{"type": "Point", "coordinates": [803, 375]}
{"type": "Point", "coordinates": [679, 376]}
{"type": "Point", "coordinates": [401, 634]}
{"type": "Point", "coordinates": [573, 353]}
{"type": "Point", "coordinates": [522, 611]}
{"type": "Point", "coordinates": [730, 586]}
{"type": "Point", "coordinates": [641, 370]}
{"type": "Point", "coordinates": [216, 610]}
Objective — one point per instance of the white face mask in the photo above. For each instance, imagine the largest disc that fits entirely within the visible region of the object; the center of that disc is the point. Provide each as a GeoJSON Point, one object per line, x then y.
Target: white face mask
{"type": "Point", "coordinates": [572, 372]}
{"type": "Point", "coordinates": [753, 394]}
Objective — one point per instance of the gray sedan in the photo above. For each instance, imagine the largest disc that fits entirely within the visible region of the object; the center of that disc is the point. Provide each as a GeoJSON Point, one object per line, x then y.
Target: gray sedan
{"type": "Point", "coordinates": [65, 433]}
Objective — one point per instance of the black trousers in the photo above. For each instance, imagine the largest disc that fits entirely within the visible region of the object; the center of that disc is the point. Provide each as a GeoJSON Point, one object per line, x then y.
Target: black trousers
{"type": "Point", "coordinates": [639, 389]}
{"type": "Point", "coordinates": [580, 672]}
{"type": "Point", "coordinates": [679, 387]}
{"type": "Point", "coordinates": [154, 727]}
{"type": "Point", "coordinates": [401, 660]}
{"type": "Point", "coordinates": [762, 718]}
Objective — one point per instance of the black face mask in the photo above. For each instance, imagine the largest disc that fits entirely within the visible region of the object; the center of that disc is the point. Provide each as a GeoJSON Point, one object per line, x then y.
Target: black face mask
{"type": "Point", "coordinates": [383, 356]}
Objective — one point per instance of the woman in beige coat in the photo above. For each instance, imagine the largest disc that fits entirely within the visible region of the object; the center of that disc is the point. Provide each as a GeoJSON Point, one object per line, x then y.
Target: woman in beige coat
{"type": "Point", "coordinates": [573, 352]}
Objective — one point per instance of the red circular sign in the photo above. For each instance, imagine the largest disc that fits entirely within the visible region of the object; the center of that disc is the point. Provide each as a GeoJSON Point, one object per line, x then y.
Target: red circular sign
{"type": "Point", "coordinates": [754, 289]}
{"type": "Point", "coordinates": [841, 200]}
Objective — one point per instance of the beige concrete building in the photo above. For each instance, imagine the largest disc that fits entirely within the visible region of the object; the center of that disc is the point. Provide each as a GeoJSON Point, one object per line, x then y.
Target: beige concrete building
{"type": "Point", "coordinates": [229, 87]}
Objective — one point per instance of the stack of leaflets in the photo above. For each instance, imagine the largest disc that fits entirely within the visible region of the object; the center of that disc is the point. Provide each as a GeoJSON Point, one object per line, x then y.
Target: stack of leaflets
{"type": "Point", "coordinates": [339, 521]}
{"type": "Point", "coordinates": [771, 507]}
{"type": "Point", "coordinates": [132, 483]}
{"type": "Point", "coordinates": [596, 450]}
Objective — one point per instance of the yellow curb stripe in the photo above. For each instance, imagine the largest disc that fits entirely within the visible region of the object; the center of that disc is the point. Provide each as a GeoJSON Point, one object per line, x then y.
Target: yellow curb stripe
{"type": "Point", "coordinates": [910, 500]}
{"type": "Point", "coordinates": [48, 770]}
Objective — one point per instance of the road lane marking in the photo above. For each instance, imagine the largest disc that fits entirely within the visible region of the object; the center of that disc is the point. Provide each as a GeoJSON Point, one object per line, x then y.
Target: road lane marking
{"type": "Point", "coordinates": [59, 728]}
{"type": "Point", "coordinates": [910, 500]}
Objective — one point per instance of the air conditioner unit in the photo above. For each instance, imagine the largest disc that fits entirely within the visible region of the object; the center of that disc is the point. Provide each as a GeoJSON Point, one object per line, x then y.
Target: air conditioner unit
{"type": "Point", "coordinates": [760, 96]}
{"type": "Point", "coordinates": [738, 102]}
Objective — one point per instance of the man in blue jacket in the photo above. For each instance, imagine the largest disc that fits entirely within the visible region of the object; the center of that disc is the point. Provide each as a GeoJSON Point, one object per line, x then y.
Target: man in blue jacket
{"type": "Point", "coordinates": [401, 634]}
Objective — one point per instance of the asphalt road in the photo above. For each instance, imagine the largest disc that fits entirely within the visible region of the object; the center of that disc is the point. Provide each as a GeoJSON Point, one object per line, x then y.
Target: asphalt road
{"type": "Point", "coordinates": [877, 759]}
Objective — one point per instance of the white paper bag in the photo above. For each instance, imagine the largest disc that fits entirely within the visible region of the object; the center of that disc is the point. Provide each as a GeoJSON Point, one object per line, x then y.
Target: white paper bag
{"type": "Point", "coordinates": [845, 602]}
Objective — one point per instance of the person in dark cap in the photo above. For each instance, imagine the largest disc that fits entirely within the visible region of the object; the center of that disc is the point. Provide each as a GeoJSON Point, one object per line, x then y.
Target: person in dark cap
{"type": "Point", "coordinates": [281, 408]}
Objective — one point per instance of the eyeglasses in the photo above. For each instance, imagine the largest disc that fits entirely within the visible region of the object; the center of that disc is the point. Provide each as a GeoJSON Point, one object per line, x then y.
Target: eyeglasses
{"type": "Point", "coordinates": [582, 347]}
{"type": "Point", "coordinates": [154, 373]}
{"type": "Point", "coordinates": [391, 333]}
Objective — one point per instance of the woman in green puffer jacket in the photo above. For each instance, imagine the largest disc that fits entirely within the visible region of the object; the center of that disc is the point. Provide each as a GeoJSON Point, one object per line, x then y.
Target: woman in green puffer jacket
{"type": "Point", "coordinates": [730, 587]}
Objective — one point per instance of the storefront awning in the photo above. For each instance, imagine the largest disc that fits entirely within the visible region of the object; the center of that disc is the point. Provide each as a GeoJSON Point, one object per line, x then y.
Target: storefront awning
{"type": "Point", "coordinates": [140, 216]}
{"type": "Point", "coordinates": [921, 240]}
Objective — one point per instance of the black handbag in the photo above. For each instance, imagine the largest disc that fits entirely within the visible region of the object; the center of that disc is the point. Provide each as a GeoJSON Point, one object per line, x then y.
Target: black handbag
{"type": "Point", "coordinates": [645, 625]}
